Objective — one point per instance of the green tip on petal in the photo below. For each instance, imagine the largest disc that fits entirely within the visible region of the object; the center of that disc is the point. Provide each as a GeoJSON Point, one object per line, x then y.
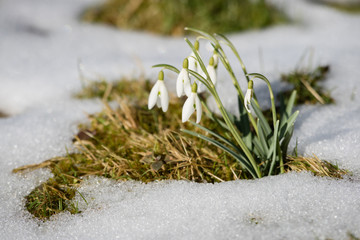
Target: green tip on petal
{"type": "Point", "coordinates": [211, 61]}
{"type": "Point", "coordinates": [197, 45]}
{"type": "Point", "coordinates": [186, 63]}
{"type": "Point", "coordinates": [161, 75]}
{"type": "Point", "coordinates": [194, 87]}
{"type": "Point", "coordinates": [250, 84]}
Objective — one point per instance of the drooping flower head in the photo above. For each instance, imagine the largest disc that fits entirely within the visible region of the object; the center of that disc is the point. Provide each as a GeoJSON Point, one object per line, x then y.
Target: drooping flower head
{"type": "Point", "coordinates": [193, 102]}
{"type": "Point", "coordinates": [248, 96]}
{"type": "Point", "coordinates": [212, 70]}
{"type": "Point", "coordinates": [192, 58]}
{"type": "Point", "coordinates": [183, 84]}
{"type": "Point", "coordinates": [159, 95]}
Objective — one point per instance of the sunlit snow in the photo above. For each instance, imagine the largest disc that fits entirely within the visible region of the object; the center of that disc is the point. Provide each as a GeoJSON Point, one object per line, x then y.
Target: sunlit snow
{"type": "Point", "coordinates": [41, 43]}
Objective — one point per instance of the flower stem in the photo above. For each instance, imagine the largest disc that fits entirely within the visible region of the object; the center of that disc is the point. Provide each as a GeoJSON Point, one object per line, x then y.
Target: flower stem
{"type": "Point", "coordinates": [236, 135]}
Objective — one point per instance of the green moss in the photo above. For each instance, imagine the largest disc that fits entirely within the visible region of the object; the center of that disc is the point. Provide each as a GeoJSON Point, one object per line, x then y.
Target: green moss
{"type": "Point", "coordinates": [170, 17]}
{"type": "Point", "coordinates": [349, 8]}
{"type": "Point", "coordinates": [307, 85]}
{"type": "Point", "coordinates": [133, 143]}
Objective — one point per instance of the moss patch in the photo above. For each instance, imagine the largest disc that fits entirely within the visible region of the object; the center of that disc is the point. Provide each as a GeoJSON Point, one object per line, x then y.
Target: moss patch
{"type": "Point", "coordinates": [307, 84]}
{"type": "Point", "coordinates": [170, 17]}
{"type": "Point", "coordinates": [133, 143]}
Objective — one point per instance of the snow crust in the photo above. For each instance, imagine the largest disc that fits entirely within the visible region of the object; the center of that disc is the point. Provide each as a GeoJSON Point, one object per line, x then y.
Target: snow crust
{"type": "Point", "coordinates": [41, 43]}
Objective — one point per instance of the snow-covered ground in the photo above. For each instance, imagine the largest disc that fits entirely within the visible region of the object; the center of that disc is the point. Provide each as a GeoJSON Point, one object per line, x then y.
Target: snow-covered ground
{"type": "Point", "coordinates": [40, 44]}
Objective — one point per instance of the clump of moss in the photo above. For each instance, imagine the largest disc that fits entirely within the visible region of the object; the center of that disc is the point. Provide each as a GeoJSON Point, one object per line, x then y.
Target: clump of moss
{"type": "Point", "coordinates": [170, 17]}
{"type": "Point", "coordinates": [306, 83]}
{"type": "Point", "coordinates": [131, 88]}
{"type": "Point", "coordinates": [133, 143]}
{"type": "Point", "coordinates": [353, 8]}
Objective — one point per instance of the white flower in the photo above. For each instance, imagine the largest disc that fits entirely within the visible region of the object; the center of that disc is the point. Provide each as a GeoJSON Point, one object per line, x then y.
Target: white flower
{"type": "Point", "coordinates": [192, 62]}
{"type": "Point", "coordinates": [248, 96]}
{"type": "Point", "coordinates": [212, 70]}
{"type": "Point", "coordinates": [183, 81]}
{"type": "Point", "coordinates": [193, 102]}
{"type": "Point", "coordinates": [159, 94]}
{"type": "Point", "coordinates": [192, 58]}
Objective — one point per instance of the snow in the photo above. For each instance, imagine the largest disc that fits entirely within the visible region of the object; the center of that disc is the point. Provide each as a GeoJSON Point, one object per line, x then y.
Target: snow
{"type": "Point", "coordinates": [41, 43]}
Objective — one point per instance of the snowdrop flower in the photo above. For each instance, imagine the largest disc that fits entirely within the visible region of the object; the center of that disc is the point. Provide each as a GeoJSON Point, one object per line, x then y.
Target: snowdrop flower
{"type": "Point", "coordinates": [216, 59]}
{"type": "Point", "coordinates": [159, 94]}
{"type": "Point", "coordinates": [248, 96]}
{"type": "Point", "coordinates": [183, 84]}
{"type": "Point", "coordinates": [192, 103]}
{"type": "Point", "coordinates": [211, 70]}
{"type": "Point", "coordinates": [192, 58]}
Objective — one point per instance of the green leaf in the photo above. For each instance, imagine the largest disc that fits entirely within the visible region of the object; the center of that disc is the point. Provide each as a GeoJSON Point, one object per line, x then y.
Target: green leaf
{"type": "Point", "coordinates": [200, 78]}
{"type": "Point", "coordinates": [229, 43]}
{"type": "Point", "coordinates": [243, 124]}
{"type": "Point", "coordinates": [263, 138]}
{"type": "Point", "coordinates": [198, 58]}
{"type": "Point", "coordinates": [212, 116]}
{"type": "Point", "coordinates": [289, 123]}
{"type": "Point", "coordinates": [263, 122]}
{"type": "Point", "coordinates": [273, 147]}
{"type": "Point", "coordinates": [204, 34]}
{"type": "Point", "coordinates": [167, 66]}
{"type": "Point", "coordinates": [285, 143]}
{"type": "Point", "coordinates": [227, 141]}
{"type": "Point", "coordinates": [259, 148]}
{"type": "Point", "coordinates": [241, 159]}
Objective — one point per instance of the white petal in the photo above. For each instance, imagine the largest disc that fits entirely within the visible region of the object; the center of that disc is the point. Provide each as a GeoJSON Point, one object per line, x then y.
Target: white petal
{"type": "Point", "coordinates": [247, 100]}
{"type": "Point", "coordinates": [187, 87]}
{"type": "Point", "coordinates": [164, 96]}
{"type": "Point", "coordinates": [201, 72]}
{"type": "Point", "coordinates": [216, 59]}
{"type": "Point", "coordinates": [188, 107]}
{"type": "Point", "coordinates": [180, 83]}
{"type": "Point", "coordinates": [212, 73]}
{"type": "Point", "coordinates": [192, 62]}
{"type": "Point", "coordinates": [201, 87]}
{"type": "Point", "coordinates": [153, 95]}
{"type": "Point", "coordinates": [158, 102]}
{"type": "Point", "coordinates": [198, 109]}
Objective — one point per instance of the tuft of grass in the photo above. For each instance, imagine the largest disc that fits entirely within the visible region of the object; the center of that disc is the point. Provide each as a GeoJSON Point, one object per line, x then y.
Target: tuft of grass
{"type": "Point", "coordinates": [170, 17]}
{"type": "Point", "coordinates": [349, 8]}
{"type": "Point", "coordinates": [133, 143]}
{"type": "Point", "coordinates": [315, 165]}
{"type": "Point", "coordinates": [306, 83]}
{"type": "Point", "coordinates": [131, 88]}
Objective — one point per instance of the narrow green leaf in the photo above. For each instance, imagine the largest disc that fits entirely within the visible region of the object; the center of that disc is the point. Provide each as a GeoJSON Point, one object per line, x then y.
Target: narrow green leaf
{"type": "Point", "coordinates": [263, 122]}
{"type": "Point", "coordinates": [289, 124]}
{"type": "Point", "coordinates": [198, 58]}
{"type": "Point", "coordinates": [291, 103]}
{"type": "Point", "coordinates": [167, 66]}
{"type": "Point", "coordinates": [227, 141]}
{"type": "Point", "coordinates": [273, 147]}
{"type": "Point", "coordinates": [285, 143]}
{"type": "Point", "coordinates": [258, 146]}
{"type": "Point", "coordinates": [263, 139]}
{"type": "Point", "coordinates": [204, 34]}
{"type": "Point", "coordinates": [241, 159]}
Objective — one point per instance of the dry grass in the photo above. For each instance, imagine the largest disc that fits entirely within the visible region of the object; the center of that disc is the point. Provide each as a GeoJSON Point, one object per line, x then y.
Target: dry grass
{"type": "Point", "coordinates": [307, 84]}
{"type": "Point", "coordinates": [133, 143]}
{"type": "Point", "coordinates": [315, 165]}
{"type": "Point", "coordinates": [170, 17]}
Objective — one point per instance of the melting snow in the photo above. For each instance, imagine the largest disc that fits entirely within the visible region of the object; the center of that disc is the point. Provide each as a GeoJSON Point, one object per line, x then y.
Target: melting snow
{"type": "Point", "coordinates": [42, 41]}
